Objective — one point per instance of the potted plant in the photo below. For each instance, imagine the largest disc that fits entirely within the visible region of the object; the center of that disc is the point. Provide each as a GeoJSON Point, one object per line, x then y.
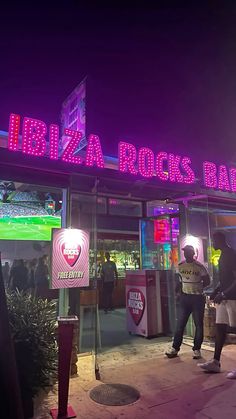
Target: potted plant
{"type": "Point", "coordinates": [33, 326]}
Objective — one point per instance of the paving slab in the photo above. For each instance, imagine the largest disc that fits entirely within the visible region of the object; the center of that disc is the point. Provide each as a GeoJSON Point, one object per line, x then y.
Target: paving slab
{"type": "Point", "coordinates": [170, 388]}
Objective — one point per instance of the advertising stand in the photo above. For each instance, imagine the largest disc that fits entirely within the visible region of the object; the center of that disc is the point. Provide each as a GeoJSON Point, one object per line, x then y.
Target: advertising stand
{"type": "Point", "coordinates": [143, 303]}
{"type": "Point", "coordinates": [70, 268]}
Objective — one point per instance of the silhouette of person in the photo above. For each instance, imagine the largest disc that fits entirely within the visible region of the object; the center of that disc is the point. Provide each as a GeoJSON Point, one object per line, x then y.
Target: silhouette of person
{"type": "Point", "coordinates": [109, 276]}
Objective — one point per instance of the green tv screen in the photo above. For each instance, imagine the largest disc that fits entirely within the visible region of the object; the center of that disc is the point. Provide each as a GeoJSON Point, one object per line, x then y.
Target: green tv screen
{"type": "Point", "coordinates": [28, 227]}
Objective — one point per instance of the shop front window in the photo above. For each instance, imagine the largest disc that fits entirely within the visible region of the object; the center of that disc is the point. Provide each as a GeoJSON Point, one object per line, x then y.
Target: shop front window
{"type": "Point", "coordinates": [159, 242]}
{"type": "Point", "coordinates": [125, 207]}
{"type": "Point", "coordinates": [28, 213]}
{"type": "Point", "coordinates": [156, 208]}
{"type": "Point", "coordinates": [125, 253]}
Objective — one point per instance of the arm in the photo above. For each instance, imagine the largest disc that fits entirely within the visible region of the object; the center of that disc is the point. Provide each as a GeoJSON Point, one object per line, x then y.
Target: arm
{"type": "Point", "coordinates": [206, 280]}
{"type": "Point", "coordinates": [116, 273]}
{"type": "Point", "coordinates": [232, 287]}
{"type": "Point", "coordinates": [102, 274]}
{"type": "Point", "coordinates": [205, 277]}
{"type": "Point", "coordinates": [178, 284]}
{"type": "Point", "coordinates": [220, 296]}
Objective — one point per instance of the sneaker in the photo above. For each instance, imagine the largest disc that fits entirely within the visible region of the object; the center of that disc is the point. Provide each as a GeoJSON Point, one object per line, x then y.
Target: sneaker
{"type": "Point", "coordinates": [210, 366]}
{"type": "Point", "coordinates": [232, 375]}
{"type": "Point", "coordinates": [171, 353]}
{"type": "Point", "coordinates": [197, 354]}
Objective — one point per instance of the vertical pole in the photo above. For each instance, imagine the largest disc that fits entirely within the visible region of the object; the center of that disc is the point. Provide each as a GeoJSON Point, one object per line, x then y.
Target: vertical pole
{"type": "Point", "coordinates": [95, 263]}
{"type": "Point", "coordinates": [11, 406]}
{"type": "Point", "coordinates": [65, 222]}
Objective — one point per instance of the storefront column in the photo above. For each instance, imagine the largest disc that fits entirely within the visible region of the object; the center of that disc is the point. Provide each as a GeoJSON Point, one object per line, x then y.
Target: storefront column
{"type": "Point", "coordinates": [65, 222]}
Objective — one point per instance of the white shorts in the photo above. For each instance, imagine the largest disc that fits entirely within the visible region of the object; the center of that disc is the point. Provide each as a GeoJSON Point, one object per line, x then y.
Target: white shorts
{"type": "Point", "coordinates": [226, 313]}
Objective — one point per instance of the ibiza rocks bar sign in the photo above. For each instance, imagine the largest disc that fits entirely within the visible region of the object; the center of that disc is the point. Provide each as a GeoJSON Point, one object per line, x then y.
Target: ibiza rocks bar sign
{"type": "Point", "coordinates": [41, 140]}
{"type": "Point", "coordinates": [70, 258]}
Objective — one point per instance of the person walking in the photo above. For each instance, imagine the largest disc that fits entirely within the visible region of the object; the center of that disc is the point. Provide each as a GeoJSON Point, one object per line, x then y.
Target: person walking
{"type": "Point", "coordinates": [193, 278]}
{"type": "Point", "coordinates": [224, 298]}
{"type": "Point", "coordinates": [109, 276]}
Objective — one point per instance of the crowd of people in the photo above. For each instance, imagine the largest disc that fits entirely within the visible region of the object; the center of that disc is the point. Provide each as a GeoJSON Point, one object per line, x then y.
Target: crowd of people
{"type": "Point", "coordinates": [20, 204]}
{"type": "Point", "coordinates": [14, 210]}
{"type": "Point", "coordinates": [31, 275]}
{"type": "Point", "coordinates": [25, 196]}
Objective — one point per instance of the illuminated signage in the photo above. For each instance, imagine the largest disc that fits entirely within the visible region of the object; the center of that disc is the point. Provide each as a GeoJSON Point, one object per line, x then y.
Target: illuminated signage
{"type": "Point", "coordinates": [164, 166]}
{"type": "Point", "coordinates": [70, 258]}
{"type": "Point", "coordinates": [162, 231]}
{"type": "Point", "coordinates": [73, 115]}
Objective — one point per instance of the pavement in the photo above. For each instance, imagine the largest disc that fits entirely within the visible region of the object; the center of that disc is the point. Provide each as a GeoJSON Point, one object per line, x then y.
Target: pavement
{"type": "Point", "coordinates": [169, 388]}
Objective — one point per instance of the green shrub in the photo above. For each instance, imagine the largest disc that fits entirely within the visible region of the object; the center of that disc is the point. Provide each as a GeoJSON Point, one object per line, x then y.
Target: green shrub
{"type": "Point", "coordinates": [33, 325]}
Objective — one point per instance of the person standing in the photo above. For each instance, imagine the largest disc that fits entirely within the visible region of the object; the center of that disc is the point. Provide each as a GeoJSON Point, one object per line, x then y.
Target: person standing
{"type": "Point", "coordinates": [192, 279]}
{"type": "Point", "coordinates": [32, 268]}
{"type": "Point", "coordinates": [42, 277]}
{"type": "Point", "coordinates": [6, 274]}
{"type": "Point", "coordinates": [19, 276]}
{"type": "Point", "coordinates": [109, 276]}
{"type": "Point", "coordinates": [224, 297]}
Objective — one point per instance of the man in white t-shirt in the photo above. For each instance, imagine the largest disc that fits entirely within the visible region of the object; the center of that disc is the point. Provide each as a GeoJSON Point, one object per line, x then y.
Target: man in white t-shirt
{"type": "Point", "coordinates": [193, 278]}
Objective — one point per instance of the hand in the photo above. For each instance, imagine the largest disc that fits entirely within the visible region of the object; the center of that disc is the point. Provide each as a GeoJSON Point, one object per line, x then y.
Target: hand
{"type": "Point", "coordinates": [218, 298]}
{"type": "Point", "coordinates": [214, 294]}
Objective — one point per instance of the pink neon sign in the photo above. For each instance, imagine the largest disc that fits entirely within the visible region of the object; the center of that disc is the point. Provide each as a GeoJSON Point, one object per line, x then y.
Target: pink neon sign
{"type": "Point", "coordinates": [178, 169]}
{"type": "Point", "coordinates": [164, 166]}
{"type": "Point", "coordinates": [33, 137]}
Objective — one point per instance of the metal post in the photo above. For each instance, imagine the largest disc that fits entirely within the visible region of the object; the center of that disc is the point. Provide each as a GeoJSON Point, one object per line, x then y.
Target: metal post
{"type": "Point", "coordinates": [95, 263]}
{"type": "Point", "coordinates": [65, 222]}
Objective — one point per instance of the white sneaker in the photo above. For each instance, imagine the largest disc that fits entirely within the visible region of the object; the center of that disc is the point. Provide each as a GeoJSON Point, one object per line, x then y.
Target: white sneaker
{"type": "Point", "coordinates": [210, 366]}
{"type": "Point", "coordinates": [171, 353]}
{"type": "Point", "coordinates": [197, 354]}
{"type": "Point", "coordinates": [232, 375]}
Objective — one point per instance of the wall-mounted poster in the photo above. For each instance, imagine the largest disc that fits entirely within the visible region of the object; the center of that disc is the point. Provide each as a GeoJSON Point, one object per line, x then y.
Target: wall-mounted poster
{"type": "Point", "coordinates": [70, 258]}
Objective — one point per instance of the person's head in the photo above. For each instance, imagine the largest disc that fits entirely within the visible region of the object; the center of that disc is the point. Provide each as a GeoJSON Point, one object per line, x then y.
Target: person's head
{"type": "Point", "coordinates": [32, 263]}
{"type": "Point", "coordinates": [107, 256]}
{"type": "Point", "coordinates": [219, 240]}
{"type": "Point", "coordinates": [45, 259]}
{"type": "Point", "coordinates": [189, 253]}
{"type": "Point", "coordinates": [40, 260]}
{"type": "Point", "coordinates": [15, 263]}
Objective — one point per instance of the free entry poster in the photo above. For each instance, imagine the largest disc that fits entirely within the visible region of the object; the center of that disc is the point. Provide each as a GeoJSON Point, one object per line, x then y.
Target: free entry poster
{"type": "Point", "coordinates": [70, 258]}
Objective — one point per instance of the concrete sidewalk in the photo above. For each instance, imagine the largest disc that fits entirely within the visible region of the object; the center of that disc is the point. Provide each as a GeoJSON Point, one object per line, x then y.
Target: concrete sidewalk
{"type": "Point", "coordinates": [174, 388]}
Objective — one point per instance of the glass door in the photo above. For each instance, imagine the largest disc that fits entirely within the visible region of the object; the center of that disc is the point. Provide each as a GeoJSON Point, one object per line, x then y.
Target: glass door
{"type": "Point", "coordinates": [84, 302]}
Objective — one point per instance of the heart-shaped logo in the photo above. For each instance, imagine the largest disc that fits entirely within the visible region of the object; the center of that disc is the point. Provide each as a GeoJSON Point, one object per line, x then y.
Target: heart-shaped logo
{"type": "Point", "coordinates": [71, 253]}
{"type": "Point", "coordinates": [136, 304]}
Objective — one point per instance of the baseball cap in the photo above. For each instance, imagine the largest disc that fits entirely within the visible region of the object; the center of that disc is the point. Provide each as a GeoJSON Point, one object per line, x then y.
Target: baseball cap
{"type": "Point", "coordinates": [188, 247]}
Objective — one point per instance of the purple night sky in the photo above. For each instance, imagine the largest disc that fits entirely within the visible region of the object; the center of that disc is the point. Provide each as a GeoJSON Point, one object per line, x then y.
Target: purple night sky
{"type": "Point", "coordinates": [165, 77]}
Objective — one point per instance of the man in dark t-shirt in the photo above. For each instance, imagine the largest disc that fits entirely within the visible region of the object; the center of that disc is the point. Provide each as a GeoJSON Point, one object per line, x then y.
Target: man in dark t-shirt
{"type": "Point", "coordinates": [224, 297]}
{"type": "Point", "coordinates": [109, 277]}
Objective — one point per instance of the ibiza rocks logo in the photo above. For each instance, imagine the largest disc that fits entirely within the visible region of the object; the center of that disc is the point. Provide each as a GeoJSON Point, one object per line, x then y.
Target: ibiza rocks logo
{"type": "Point", "coordinates": [136, 304]}
{"type": "Point", "coordinates": [71, 253]}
